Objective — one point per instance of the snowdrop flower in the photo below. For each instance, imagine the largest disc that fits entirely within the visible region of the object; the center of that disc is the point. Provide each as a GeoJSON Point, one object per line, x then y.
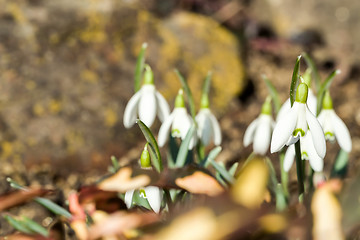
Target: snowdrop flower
{"type": "Point", "coordinates": [308, 152]}
{"type": "Point", "coordinates": [297, 121]}
{"type": "Point", "coordinates": [333, 126]}
{"type": "Point", "coordinates": [208, 126]}
{"type": "Point", "coordinates": [151, 193]}
{"type": "Point", "coordinates": [179, 121]}
{"type": "Point", "coordinates": [259, 131]}
{"type": "Point", "coordinates": [147, 103]}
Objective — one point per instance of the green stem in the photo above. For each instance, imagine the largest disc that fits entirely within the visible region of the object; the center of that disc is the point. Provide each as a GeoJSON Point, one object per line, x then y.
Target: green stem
{"type": "Point", "coordinates": [299, 170]}
{"type": "Point", "coordinates": [284, 175]}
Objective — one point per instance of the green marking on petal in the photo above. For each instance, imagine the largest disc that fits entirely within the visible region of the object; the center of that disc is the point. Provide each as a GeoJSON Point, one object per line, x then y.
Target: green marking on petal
{"type": "Point", "coordinates": [304, 155]}
{"type": "Point", "coordinates": [296, 131]}
{"type": "Point", "coordinates": [175, 132]}
{"type": "Point", "coordinates": [142, 193]}
{"type": "Point", "coordinates": [302, 93]}
{"type": "Point", "coordinates": [329, 136]}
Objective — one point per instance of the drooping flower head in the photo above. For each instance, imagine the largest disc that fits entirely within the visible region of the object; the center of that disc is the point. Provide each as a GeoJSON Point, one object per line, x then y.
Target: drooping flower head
{"type": "Point", "coordinates": [179, 122]}
{"type": "Point", "coordinates": [259, 131]}
{"type": "Point", "coordinates": [296, 122]}
{"type": "Point", "coordinates": [208, 126]}
{"type": "Point", "coordinates": [333, 126]}
{"type": "Point", "coordinates": [152, 194]}
{"type": "Point", "coordinates": [147, 103]}
{"type": "Point", "coordinates": [308, 152]}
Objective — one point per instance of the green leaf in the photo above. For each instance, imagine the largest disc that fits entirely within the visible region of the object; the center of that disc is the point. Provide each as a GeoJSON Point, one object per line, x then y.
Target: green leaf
{"type": "Point", "coordinates": [53, 207]}
{"type": "Point", "coordinates": [274, 94]}
{"type": "Point", "coordinates": [220, 179]}
{"type": "Point", "coordinates": [184, 148]}
{"type": "Point", "coordinates": [35, 227]}
{"type": "Point", "coordinates": [275, 187]}
{"type": "Point", "coordinates": [139, 67]}
{"type": "Point", "coordinates": [18, 225]}
{"type": "Point", "coordinates": [153, 146]}
{"type": "Point", "coordinates": [188, 94]}
{"type": "Point", "coordinates": [314, 70]}
{"type": "Point", "coordinates": [340, 166]}
{"type": "Point", "coordinates": [225, 174]}
{"type": "Point", "coordinates": [233, 168]}
{"type": "Point", "coordinates": [211, 157]}
{"type": "Point", "coordinates": [323, 88]}
{"type": "Point", "coordinates": [295, 80]}
{"type": "Point", "coordinates": [206, 84]}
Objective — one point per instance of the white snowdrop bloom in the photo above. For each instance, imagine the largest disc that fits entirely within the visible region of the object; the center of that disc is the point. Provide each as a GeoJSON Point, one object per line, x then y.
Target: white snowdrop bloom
{"type": "Point", "coordinates": [308, 152]}
{"type": "Point", "coordinates": [179, 122]}
{"type": "Point", "coordinates": [333, 126]}
{"type": "Point", "coordinates": [147, 103]}
{"type": "Point", "coordinates": [208, 126]}
{"type": "Point", "coordinates": [296, 122]}
{"type": "Point", "coordinates": [151, 193]}
{"type": "Point", "coordinates": [259, 131]}
{"type": "Point", "coordinates": [311, 102]}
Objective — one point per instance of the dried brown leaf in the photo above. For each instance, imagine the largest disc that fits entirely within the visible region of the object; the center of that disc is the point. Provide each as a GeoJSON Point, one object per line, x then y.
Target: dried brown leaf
{"type": "Point", "coordinates": [18, 197]}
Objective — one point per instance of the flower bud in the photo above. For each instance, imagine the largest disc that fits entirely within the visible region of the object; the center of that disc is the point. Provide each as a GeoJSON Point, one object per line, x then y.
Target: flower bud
{"type": "Point", "coordinates": [302, 93]}
{"type": "Point", "coordinates": [327, 101]}
{"type": "Point", "coordinates": [179, 100]}
{"type": "Point", "coordinates": [148, 75]}
{"type": "Point", "coordinates": [145, 160]}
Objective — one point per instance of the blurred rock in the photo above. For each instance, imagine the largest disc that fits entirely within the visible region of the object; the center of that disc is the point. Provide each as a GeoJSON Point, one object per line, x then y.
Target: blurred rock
{"type": "Point", "coordinates": [66, 70]}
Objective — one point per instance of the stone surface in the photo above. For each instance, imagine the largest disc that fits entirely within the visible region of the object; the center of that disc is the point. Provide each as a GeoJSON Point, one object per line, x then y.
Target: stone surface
{"type": "Point", "coordinates": [66, 71]}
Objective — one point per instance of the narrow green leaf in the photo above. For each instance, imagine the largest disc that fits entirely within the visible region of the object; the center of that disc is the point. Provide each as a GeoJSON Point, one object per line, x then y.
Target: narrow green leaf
{"type": "Point", "coordinates": [18, 225]}
{"type": "Point", "coordinates": [188, 93]}
{"type": "Point", "coordinates": [222, 171]}
{"type": "Point", "coordinates": [35, 227]}
{"type": "Point", "coordinates": [139, 67]}
{"type": "Point", "coordinates": [153, 146]}
{"type": "Point", "coordinates": [314, 70]}
{"type": "Point", "coordinates": [220, 179]}
{"type": "Point", "coordinates": [323, 88]}
{"type": "Point", "coordinates": [184, 147]}
{"type": "Point", "coordinates": [295, 80]}
{"type": "Point", "coordinates": [53, 207]}
{"type": "Point", "coordinates": [233, 168]}
{"type": "Point", "coordinates": [211, 157]}
{"type": "Point", "coordinates": [275, 187]}
{"type": "Point", "coordinates": [14, 184]}
{"type": "Point", "coordinates": [274, 94]}
{"type": "Point", "coordinates": [341, 163]}
{"type": "Point", "coordinates": [206, 84]}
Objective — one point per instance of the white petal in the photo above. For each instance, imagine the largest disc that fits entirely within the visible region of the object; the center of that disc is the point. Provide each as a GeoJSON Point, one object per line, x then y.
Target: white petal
{"type": "Point", "coordinates": [131, 110]}
{"type": "Point", "coordinates": [341, 132]}
{"type": "Point", "coordinates": [154, 197]}
{"type": "Point", "coordinates": [289, 158]}
{"type": "Point", "coordinates": [316, 162]}
{"type": "Point", "coordinates": [316, 133]}
{"type": "Point", "coordinates": [181, 123]}
{"type": "Point", "coordinates": [283, 110]}
{"type": "Point", "coordinates": [312, 102]}
{"type": "Point", "coordinates": [301, 123]}
{"type": "Point", "coordinates": [321, 118]}
{"type": "Point", "coordinates": [205, 129]}
{"type": "Point", "coordinates": [165, 130]}
{"type": "Point", "coordinates": [128, 198]}
{"type": "Point", "coordinates": [262, 134]}
{"type": "Point", "coordinates": [249, 133]}
{"type": "Point", "coordinates": [163, 110]}
{"type": "Point", "coordinates": [284, 128]}
{"type": "Point", "coordinates": [147, 105]}
{"type": "Point", "coordinates": [216, 129]}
